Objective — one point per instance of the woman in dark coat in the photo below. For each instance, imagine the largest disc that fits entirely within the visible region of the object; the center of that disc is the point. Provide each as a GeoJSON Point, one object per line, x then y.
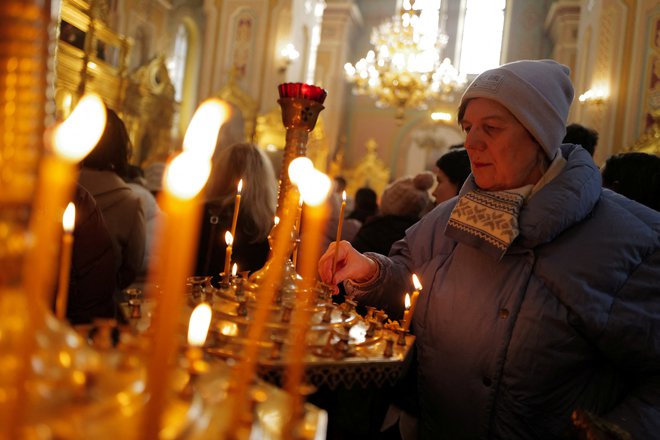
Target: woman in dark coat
{"type": "Point", "coordinates": [256, 213]}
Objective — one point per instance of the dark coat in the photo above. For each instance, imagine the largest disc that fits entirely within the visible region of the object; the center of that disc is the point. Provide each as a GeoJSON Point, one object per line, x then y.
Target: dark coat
{"type": "Point", "coordinates": [247, 253]}
{"type": "Point", "coordinates": [92, 283]}
{"type": "Point", "coordinates": [380, 232]}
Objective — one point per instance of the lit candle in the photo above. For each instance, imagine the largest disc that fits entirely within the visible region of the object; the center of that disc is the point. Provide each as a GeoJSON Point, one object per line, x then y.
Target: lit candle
{"type": "Point", "coordinates": [237, 204]}
{"type": "Point", "coordinates": [415, 295]}
{"type": "Point", "coordinates": [198, 327]}
{"type": "Point", "coordinates": [406, 313]}
{"type": "Point", "coordinates": [411, 303]}
{"type": "Point", "coordinates": [68, 222]}
{"type": "Point", "coordinates": [338, 237]}
{"type": "Point", "coordinates": [297, 229]}
{"type": "Point", "coordinates": [314, 189]}
{"type": "Point", "coordinates": [243, 372]}
{"type": "Point", "coordinates": [183, 180]}
{"type": "Point", "coordinates": [234, 270]}
{"type": "Point", "coordinates": [229, 240]}
{"type": "Point", "coordinates": [298, 169]}
{"type": "Point", "coordinates": [71, 141]}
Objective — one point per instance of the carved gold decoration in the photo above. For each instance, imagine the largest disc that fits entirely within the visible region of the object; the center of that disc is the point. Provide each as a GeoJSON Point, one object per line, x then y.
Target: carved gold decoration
{"type": "Point", "coordinates": [270, 133]}
{"type": "Point", "coordinates": [371, 172]}
{"type": "Point", "coordinates": [149, 111]}
{"type": "Point", "coordinates": [649, 142]}
{"type": "Point", "coordinates": [234, 94]}
{"type": "Point", "coordinates": [90, 57]}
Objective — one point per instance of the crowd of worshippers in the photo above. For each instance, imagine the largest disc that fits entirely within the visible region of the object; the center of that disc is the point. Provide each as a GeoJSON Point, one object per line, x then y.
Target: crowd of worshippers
{"type": "Point", "coordinates": [421, 223]}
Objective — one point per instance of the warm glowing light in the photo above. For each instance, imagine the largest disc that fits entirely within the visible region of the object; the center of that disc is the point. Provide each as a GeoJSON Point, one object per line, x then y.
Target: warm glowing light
{"type": "Point", "coordinates": [596, 96]}
{"type": "Point", "coordinates": [186, 175]}
{"type": "Point", "coordinates": [276, 221]}
{"type": "Point", "coordinates": [298, 169]}
{"type": "Point", "coordinates": [69, 217]}
{"type": "Point", "coordinates": [289, 52]}
{"type": "Point", "coordinates": [441, 116]}
{"type": "Point", "coordinates": [343, 196]}
{"type": "Point", "coordinates": [228, 328]}
{"type": "Point", "coordinates": [229, 239]}
{"type": "Point", "coordinates": [240, 186]}
{"type": "Point", "coordinates": [234, 270]}
{"type": "Point", "coordinates": [202, 133]}
{"type": "Point", "coordinates": [200, 319]}
{"type": "Point", "coordinates": [416, 283]}
{"type": "Point", "coordinates": [81, 131]}
{"type": "Point", "coordinates": [407, 302]}
{"type": "Point", "coordinates": [315, 188]}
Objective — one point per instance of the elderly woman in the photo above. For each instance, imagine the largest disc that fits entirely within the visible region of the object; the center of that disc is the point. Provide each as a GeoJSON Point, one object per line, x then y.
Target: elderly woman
{"type": "Point", "coordinates": [541, 290]}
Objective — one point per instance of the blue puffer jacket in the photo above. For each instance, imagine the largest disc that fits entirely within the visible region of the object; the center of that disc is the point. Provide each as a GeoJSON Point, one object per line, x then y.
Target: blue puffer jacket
{"type": "Point", "coordinates": [568, 318]}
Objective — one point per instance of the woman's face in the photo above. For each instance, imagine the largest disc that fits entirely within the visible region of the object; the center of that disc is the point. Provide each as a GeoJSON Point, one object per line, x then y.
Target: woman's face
{"type": "Point", "coordinates": [445, 189]}
{"type": "Point", "coordinates": [503, 154]}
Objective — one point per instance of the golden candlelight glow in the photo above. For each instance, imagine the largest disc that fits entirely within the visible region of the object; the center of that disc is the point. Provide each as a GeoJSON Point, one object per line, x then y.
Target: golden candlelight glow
{"type": "Point", "coordinates": [186, 175]}
{"type": "Point", "coordinates": [416, 283]}
{"type": "Point", "coordinates": [407, 301]}
{"type": "Point", "coordinates": [202, 132]}
{"type": "Point", "coordinates": [234, 270]}
{"type": "Point", "coordinates": [343, 196]}
{"type": "Point", "coordinates": [80, 132]}
{"type": "Point", "coordinates": [69, 218]}
{"type": "Point", "coordinates": [276, 221]}
{"type": "Point", "coordinates": [228, 328]}
{"type": "Point", "coordinates": [298, 169]}
{"type": "Point", "coordinates": [198, 329]}
{"type": "Point", "coordinates": [239, 188]}
{"type": "Point", "coordinates": [315, 188]}
{"type": "Point", "coordinates": [229, 239]}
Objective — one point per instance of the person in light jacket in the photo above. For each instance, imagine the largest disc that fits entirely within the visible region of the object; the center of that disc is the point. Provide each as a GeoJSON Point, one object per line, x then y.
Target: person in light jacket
{"type": "Point", "coordinates": [540, 307]}
{"type": "Point", "coordinates": [101, 174]}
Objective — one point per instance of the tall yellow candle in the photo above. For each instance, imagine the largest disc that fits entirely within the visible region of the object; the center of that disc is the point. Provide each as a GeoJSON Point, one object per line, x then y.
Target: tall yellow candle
{"type": "Point", "coordinates": [411, 302]}
{"type": "Point", "coordinates": [298, 169]}
{"type": "Point", "coordinates": [339, 228]}
{"type": "Point", "coordinates": [243, 372]}
{"type": "Point", "coordinates": [314, 189]}
{"type": "Point", "coordinates": [297, 229]}
{"type": "Point", "coordinates": [184, 178]}
{"type": "Point", "coordinates": [237, 205]}
{"type": "Point", "coordinates": [406, 313]}
{"type": "Point", "coordinates": [229, 240]}
{"type": "Point", "coordinates": [71, 141]}
{"type": "Point", "coordinates": [68, 222]}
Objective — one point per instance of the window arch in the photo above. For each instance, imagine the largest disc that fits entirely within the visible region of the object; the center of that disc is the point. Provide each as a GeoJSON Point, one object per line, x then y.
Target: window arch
{"type": "Point", "coordinates": [176, 65]}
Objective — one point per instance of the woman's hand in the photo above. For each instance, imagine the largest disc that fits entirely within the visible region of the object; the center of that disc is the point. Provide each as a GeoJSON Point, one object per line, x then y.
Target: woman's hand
{"type": "Point", "coordinates": [350, 264]}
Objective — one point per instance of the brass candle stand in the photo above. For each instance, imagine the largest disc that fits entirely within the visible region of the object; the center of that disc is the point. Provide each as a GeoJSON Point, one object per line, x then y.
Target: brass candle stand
{"type": "Point", "coordinates": [301, 105]}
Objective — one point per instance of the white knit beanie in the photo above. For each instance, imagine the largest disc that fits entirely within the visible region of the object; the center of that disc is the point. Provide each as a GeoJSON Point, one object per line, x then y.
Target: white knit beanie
{"type": "Point", "coordinates": [537, 92]}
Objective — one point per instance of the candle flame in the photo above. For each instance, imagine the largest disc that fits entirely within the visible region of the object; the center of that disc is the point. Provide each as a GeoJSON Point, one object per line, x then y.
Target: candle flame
{"type": "Point", "coordinates": [69, 217]}
{"type": "Point", "coordinates": [228, 328]}
{"type": "Point", "coordinates": [407, 301]}
{"type": "Point", "coordinates": [416, 283]}
{"type": "Point", "coordinates": [316, 188]}
{"type": "Point", "coordinates": [276, 221]}
{"type": "Point", "coordinates": [186, 175]}
{"type": "Point", "coordinates": [229, 239]}
{"type": "Point", "coordinates": [343, 196]}
{"type": "Point", "coordinates": [240, 186]}
{"type": "Point", "coordinates": [202, 133]}
{"type": "Point", "coordinates": [298, 169]}
{"type": "Point", "coordinates": [234, 270]}
{"type": "Point", "coordinates": [80, 132]}
{"type": "Point", "coordinates": [200, 319]}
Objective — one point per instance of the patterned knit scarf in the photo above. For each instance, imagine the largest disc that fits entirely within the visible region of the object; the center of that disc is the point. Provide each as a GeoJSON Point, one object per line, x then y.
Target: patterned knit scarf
{"type": "Point", "coordinates": [487, 220]}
